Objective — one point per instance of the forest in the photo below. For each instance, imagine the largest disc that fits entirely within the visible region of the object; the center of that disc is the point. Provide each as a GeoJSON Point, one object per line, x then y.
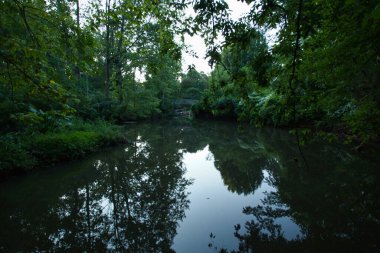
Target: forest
{"type": "Point", "coordinates": [73, 72]}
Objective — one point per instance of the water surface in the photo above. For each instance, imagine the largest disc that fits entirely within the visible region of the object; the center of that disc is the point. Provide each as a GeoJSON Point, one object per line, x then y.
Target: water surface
{"type": "Point", "coordinates": [198, 187]}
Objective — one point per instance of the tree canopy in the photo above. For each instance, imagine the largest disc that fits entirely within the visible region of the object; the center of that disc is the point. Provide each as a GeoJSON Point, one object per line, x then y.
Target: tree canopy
{"type": "Point", "coordinates": [120, 60]}
{"type": "Point", "coordinates": [116, 60]}
{"type": "Point", "coordinates": [322, 70]}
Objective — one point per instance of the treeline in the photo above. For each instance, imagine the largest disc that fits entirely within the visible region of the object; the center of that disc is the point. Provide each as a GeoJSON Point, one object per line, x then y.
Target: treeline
{"type": "Point", "coordinates": [320, 71]}
{"type": "Point", "coordinates": [64, 63]}
{"type": "Point", "coordinates": [117, 60]}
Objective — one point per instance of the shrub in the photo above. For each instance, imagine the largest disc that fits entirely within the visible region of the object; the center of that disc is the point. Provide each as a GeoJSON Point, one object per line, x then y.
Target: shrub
{"type": "Point", "coordinates": [52, 147]}
{"type": "Point", "coordinates": [225, 107]}
{"type": "Point", "coordinates": [109, 133]}
{"type": "Point", "coordinates": [14, 154]}
{"type": "Point", "coordinates": [72, 139]}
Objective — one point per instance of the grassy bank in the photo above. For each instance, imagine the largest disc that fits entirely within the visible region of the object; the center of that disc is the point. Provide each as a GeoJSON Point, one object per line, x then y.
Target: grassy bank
{"type": "Point", "coordinates": [26, 151]}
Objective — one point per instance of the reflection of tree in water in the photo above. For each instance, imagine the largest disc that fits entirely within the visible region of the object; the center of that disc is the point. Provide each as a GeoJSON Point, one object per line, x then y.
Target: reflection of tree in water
{"type": "Point", "coordinates": [336, 206]}
{"type": "Point", "coordinates": [241, 172]}
{"type": "Point", "coordinates": [147, 191]}
{"type": "Point", "coordinates": [242, 154]}
{"type": "Point", "coordinates": [239, 154]}
{"type": "Point", "coordinates": [130, 200]}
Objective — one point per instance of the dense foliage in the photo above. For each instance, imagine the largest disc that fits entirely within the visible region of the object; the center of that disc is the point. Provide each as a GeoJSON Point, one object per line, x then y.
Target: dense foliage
{"type": "Point", "coordinates": [193, 84]}
{"type": "Point", "coordinates": [115, 60]}
{"type": "Point", "coordinates": [321, 70]}
{"type": "Point", "coordinates": [120, 61]}
{"type": "Point", "coordinates": [64, 61]}
{"type": "Point", "coordinates": [24, 151]}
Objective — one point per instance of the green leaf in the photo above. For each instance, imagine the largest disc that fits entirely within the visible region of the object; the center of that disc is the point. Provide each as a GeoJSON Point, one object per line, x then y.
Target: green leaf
{"type": "Point", "coordinates": [376, 12]}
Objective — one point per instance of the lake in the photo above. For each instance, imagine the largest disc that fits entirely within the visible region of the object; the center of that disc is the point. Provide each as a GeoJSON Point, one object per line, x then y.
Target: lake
{"type": "Point", "coordinates": [195, 186]}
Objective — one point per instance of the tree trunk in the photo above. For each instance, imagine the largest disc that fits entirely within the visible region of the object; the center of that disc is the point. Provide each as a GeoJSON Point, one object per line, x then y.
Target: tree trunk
{"type": "Point", "coordinates": [118, 62]}
{"type": "Point", "coordinates": [107, 82]}
{"type": "Point", "coordinates": [78, 45]}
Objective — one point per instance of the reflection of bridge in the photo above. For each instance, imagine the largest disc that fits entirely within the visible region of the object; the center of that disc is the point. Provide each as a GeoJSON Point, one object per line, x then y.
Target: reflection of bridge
{"type": "Point", "coordinates": [182, 107]}
{"type": "Point", "coordinates": [184, 112]}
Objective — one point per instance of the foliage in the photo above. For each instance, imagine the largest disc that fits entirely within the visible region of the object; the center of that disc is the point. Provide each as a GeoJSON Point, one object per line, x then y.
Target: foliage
{"type": "Point", "coordinates": [56, 65]}
{"type": "Point", "coordinates": [193, 84]}
{"type": "Point", "coordinates": [61, 146]}
{"type": "Point", "coordinates": [61, 63]}
{"type": "Point", "coordinates": [320, 70]}
{"type": "Point", "coordinates": [108, 133]}
{"type": "Point", "coordinates": [73, 139]}
{"type": "Point", "coordinates": [119, 60]}
{"type": "Point", "coordinates": [14, 154]}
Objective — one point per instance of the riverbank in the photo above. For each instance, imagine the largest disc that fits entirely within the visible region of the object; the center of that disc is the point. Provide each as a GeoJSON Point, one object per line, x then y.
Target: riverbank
{"type": "Point", "coordinates": [21, 152]}
{"type": "Point", "coordinates": [306, 129]}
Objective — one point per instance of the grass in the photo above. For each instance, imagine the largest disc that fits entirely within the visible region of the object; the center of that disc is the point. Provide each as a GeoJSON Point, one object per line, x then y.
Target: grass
{"type": "Point", "coordinates": [22, 151]}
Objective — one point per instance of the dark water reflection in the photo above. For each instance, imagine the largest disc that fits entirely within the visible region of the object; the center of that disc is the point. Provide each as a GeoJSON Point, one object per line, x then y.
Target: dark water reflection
{"type": "Point", "coordinates": [198, 187]}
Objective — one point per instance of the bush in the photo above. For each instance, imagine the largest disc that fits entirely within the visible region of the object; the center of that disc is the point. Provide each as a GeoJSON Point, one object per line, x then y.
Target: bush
{"type": "Point", "coordinates": [109, 133]}
{"type": "Point", "coordinates": [14, 154]}
{"type": "Point", "coordinates": [52, 147]}
{"type": "Point", "coordinates": [225, 107]}
{"type": "Point", "coordinates": [73, 139]}
{"type": "Point", "coordinates": [364, 121]}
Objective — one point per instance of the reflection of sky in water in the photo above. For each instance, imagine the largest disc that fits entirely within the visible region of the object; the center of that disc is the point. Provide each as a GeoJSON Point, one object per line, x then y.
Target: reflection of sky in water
{"type": "Point", "coordinates": [214, 209]}
{"type": "Point", "coordinates": [289, 228]}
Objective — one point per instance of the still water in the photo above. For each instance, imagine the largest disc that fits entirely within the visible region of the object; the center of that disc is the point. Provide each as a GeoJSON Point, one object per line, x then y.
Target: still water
{"type": "Point", "coordinates": [198, 187]}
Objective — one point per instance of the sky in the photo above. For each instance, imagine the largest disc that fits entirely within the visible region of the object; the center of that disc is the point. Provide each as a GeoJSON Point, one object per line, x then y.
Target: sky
{"type": "Point", "coordinates": [195, 42]}
{"type": "Point", "coordinates": [198, 46]}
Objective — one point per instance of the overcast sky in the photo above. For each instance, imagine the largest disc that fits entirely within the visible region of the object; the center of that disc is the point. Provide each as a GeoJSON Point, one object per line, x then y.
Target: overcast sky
{"type": "Point", "coordinates": [196, 42]}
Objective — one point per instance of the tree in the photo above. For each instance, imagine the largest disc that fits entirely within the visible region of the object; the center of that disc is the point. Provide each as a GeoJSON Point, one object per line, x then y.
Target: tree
{"type": "Point", "coordinates": [322, 71]}
{"type": "Point", "coordinates": [193, 84]}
